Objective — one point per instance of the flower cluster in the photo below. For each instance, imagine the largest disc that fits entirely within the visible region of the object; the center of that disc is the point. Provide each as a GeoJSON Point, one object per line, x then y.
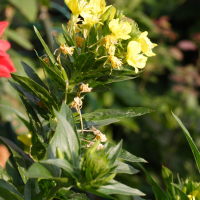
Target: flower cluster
{"type": "Point", "coordinates": [120, 37]}
{"type": "Point", "coordinates": [6, 65]}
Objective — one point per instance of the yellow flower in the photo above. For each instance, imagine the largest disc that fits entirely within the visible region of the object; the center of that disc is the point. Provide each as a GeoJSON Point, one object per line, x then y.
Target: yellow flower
{"type": "Point", "coordinates": [133, 57]}
{"type": "Point", "coordinates": [109, 40]}
{"type": "Point", "coordinates": [77, 7]}
{"type": "Point", "coordinates": [191, 197]}
{"type": "Point", "coordinates": [146, 44]}
{"type": "Point", "coordinates": [115, 62]}
{"type": "Point", "coordinates": [121, 29]}
{"type": "Point", "coordinates": [98, 6]}
{"type": "Point", "coordinates": [66, 50]}
{"type": "Point", "coordinates": [79, 41]}
{"type": "Point", "coordinates": [89, 21]}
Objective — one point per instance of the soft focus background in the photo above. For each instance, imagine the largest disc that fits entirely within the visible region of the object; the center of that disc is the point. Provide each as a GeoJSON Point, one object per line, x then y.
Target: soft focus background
{"type": "Point", "coordinates": [170, 81]}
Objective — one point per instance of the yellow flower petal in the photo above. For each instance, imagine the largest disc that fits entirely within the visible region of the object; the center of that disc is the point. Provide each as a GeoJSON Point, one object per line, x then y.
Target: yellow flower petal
{"type": "Point", "coordinates": [133, 57]}
{"type": "Point", "coordinates": [146, 44]}
{"type": "Point", "coordinates": [73, 6]}
{"type": "Point", "coordinates": [98, 6]}
{"type": "Point", "coordinates": [120, 29]}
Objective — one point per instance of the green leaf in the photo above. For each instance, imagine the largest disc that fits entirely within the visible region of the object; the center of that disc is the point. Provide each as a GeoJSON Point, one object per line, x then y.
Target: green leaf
{"type": "Point", "coordinates": [114, 151]}
{"type": "Point", "coordinates": [125, 168]}
{"type": "Point", "coordinates": [31, 189]}
{"type": "Point", "coordinates": [125, 155]}
{"type": "Point", "coordinates": [77, 196]}
{"type": "Point", "coordinates": [5, 176]}
{"type": "Point", "coordinates": [190, 141]}
{"type": "Point", "coordinates": [38, 150]}
{"type": "Point", "coordinates": [159, 193]}
{"type": "Point", "coordinates": [102, 114]}
{"type": "Point", "coordinates": [8, 191]}
{"type": "Point", "coordinates": [19, 115]}
{"type": "Point", "coordinates": [57, 79]}
{"type": "Point", "coordinates": [22, 159]}
{"type": "Point", "coordinates": [66, 139]}
{"type": "Point", "coordinates": [27, 8]}
{"type": "Point", "coordinates": [69, 40]}
{"type": "Point", "coordinates": [168, 178]}
{"type": "Point", "coordinates": [66, 112]}
{"type": "Point", "coordinates": [100, 123]}
{"type": "Point", "coordinates": [45, 2]}
{"type": "Point", "coordinates": [64, 164]}
{"type": "Point", "coordinates": [37, 90]}
{"type": "Point", "coordinates": [83, 63]}
{"type": "Point", "coordinates": [45, 47]}
{"type": "Point", "coordinates": [32, 75]}
{"type": "Point", "coordinates": [181, 193]}
{"type": "Point", "coordinates": [38, 171]}
{"type": "Point", "coordinates": [119, 188]}
{"type": "Point", "coordinates": [17, 38]}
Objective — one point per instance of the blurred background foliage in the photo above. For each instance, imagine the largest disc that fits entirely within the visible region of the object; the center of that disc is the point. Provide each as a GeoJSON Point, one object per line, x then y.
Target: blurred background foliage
{"type": "Point", "coordinates": [170, 81]}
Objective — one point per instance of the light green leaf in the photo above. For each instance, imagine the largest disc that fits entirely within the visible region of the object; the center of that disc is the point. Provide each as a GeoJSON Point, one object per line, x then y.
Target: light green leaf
{"type": "Point", "coordinates": [119, 188]}
{"type": "Point", "coordinates": [102, 114]}
{"type": "Point", "coordinates": [168, 178]}
{"type": "Point", "coordinates": [17, 38]}
{"type": "Point", "coordinates": [114, 151]}
{"type": "Point", "coordinates": [38, 171]}
{"type": "Point", "coordinates": [125, 168]}
{"type": "Point", "coordinates": [159, 193]}
{"type": "Point", "coordinates": [64, 164]}
{"type": "Point", "coordinates": [5, 176]}
{"type": "Point", "coordinates": [181, 193]}
{"type": "Point", "coordinates": [66, 139]}
{"type": "Point", "coordinates": [125, 155]}
{"type": "Point", "coordinates": [190, 141]}
{"type": "Point", "coordinates": [8, 191]}
{"type": "Point", "coordinates": [27, 8]}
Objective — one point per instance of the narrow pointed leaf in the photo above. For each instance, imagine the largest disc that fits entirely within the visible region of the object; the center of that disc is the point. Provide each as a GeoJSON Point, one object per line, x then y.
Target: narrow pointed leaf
{"type": "Point", "coordinates": [125, 168]}
{"type": "Point", "coordinates": [37, 90]}
{"type": "Point", "coordinates": [57, 79]}
{"type": "Point", "coordinates": [32, 75]}
{"type": "Point", "coordinates": [168, 178]}
{"type": "Point", "coordinates": [119, 188]}
{"type": "Point", "coordinates": [181, 193]}
{"type": "Point", "coordinates": [22, 159]}
{"type": "Point", "coordinates": [159, 193]}
{"type": "Point", "coordinates": [190, 141]}
{"type": "Point", "coordinates": [8, 191]}
{"type": "Point", "coordinates": [125, 155]}
{"type": "Point", "coordinates": [114, 152]}
{"type": "Point", "coordinates": [64, 164]}
{"type": "Point", "coordinates": [45, 46]}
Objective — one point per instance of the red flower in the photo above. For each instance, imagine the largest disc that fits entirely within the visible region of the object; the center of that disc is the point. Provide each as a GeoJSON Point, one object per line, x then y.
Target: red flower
{"type": "Point", "coordinates": [6, 65]}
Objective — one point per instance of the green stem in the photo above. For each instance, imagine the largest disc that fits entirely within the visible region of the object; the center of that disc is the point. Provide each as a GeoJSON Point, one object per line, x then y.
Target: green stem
{"type": "Point", "coordinates": [83, 47]}
{"type": "Point", "coordinates": [67, 86]}
{"type": "Point", "coordinates": [53, 192]}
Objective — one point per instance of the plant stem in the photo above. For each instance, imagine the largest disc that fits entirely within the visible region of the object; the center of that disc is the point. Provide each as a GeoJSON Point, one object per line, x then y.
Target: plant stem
{"type": "Point", "coordinates": [81, 121]}
{"type": "Point", "coordinates": [53, 192]}
{"type": "Point", "coordinates": [66, 91]}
